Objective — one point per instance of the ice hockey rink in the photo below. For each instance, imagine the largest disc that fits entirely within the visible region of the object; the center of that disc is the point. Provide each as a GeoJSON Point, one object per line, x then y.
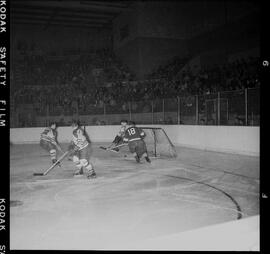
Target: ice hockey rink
{"type": "Point", "coordinates": [201, 200]}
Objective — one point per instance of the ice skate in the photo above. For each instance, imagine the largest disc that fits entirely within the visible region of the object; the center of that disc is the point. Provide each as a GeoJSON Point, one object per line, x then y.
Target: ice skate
{"type": "Point", "coordinates": [78, 172]}
{"type": "Point", "coordinates": [92, 175]}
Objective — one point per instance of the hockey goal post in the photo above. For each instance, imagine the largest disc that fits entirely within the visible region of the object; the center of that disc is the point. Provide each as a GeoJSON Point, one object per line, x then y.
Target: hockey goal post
{"type": "Point", "coordinates": [158, 143]}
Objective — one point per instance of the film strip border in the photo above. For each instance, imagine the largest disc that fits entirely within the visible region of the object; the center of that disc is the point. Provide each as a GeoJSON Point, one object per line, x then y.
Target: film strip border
{"type": "Point", "coordinates": [4, 124]}
{"type": "Point", "coordinates": [264, 130]}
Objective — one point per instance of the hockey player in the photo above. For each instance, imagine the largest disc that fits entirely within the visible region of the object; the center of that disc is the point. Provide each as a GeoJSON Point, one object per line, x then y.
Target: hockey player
{"type": "Point", "coordinates": [80, 144]}
{"type": "Point", "coordinates": [134, 136]}
{"type": "Point", "coordinates": [118, 140]}
{"type": "Point", "coordinates": [48, 141]}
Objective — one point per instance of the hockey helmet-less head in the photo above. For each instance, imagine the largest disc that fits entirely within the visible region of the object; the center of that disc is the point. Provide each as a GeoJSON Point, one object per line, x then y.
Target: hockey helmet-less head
{"type": "Point", "coordinates": [124, 122]}
{"type": "Point", "coordinates": [75, 124]}
{"type": "Point", "coordinates": [132, 123]}
{"type": "Point", "coordinates": [53, 125]}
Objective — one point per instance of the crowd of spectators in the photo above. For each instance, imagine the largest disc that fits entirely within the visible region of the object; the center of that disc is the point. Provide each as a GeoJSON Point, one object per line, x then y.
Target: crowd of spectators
{"type": "Point", "coordinates": [169, 81]}
{"type": "Point", "coordinates": [240, 74]}
{"type": "Point", "coordinates": [68, 84]}
{"type": "Point", "coordinates": [66, 87]}
{"type": "Point", "coordinates": [101, 64]}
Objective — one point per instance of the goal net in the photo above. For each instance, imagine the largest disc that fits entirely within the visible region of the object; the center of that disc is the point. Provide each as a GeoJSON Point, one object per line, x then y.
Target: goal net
{"type": "Point", "coordinates": [158, 143]}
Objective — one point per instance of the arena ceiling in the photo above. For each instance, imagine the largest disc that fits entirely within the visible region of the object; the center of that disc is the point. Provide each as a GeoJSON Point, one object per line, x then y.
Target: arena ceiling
{"type": "Point", "coordinates": [68, 13]}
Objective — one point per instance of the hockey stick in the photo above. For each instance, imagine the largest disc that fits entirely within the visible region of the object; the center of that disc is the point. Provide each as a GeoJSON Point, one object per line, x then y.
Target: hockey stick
{"type": "Point", "coordinates": [53, 165]}
{"type": "Point", "coordinates": [111, 149]}
{"type": "Point", "coordinates": [106, 149]}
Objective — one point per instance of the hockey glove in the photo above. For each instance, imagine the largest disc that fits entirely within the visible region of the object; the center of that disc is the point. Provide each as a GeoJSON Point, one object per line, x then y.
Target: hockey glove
{"type": "Point", "coordinates": [71, 147]}
{"type": "Point", "coordinates": [117, 140]}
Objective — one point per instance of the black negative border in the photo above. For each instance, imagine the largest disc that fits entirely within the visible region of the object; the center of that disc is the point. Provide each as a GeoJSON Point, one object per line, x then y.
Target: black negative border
{"type": "Point", "coordinates": [5, 125]}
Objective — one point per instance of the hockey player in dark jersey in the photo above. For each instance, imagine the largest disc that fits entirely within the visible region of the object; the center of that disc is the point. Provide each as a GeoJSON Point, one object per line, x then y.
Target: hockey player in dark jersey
{"type": "Point", "coordinates": [82, 151]}
{"type": "Point", "coordinates": [118, 140]}
{"type": "Point", "coordinates": [48, 141]}
{"type": "Point", "coordinates": [134, 136]}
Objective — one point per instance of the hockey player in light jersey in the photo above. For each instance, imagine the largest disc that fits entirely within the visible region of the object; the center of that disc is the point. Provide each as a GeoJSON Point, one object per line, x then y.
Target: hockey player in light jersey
{"type": "Point", "coordinates": [48, 141]}
{"type": "Point", "coordinates": [82, 151]}
{"type": "Point", "coordinates": [118, 140]}
{"type": "Point", "coordinates": [134, 136]}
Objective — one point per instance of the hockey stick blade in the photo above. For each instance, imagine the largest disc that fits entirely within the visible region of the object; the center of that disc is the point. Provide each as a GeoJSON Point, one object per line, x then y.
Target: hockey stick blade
{"type": "Point", "coordinates": [38, 174]}
{"type": "Point", "coordinates": [53, 166]}
{"type": "Point", "coordinates": [112, 149]}
{"type": "Point", "coordinates": [107, 149]}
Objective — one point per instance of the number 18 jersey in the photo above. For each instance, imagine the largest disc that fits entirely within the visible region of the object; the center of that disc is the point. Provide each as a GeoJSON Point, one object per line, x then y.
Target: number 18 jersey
{"type": "Point", "coordinates": [133, 133]}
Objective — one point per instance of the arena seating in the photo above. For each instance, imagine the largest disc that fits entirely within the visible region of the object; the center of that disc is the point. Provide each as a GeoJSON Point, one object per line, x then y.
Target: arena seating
{"type": "Point", "coordinates": [63, 87]}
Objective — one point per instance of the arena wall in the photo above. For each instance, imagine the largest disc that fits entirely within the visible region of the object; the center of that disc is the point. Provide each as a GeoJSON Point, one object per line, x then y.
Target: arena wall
{"type": "Point", "coordinates": [231, 139]}
{"type": "Point", "coordinates": [58, 39]}
{"type": "Point", "coordinates": [155, 34]}
{"type": "Point", "coordinates": [241, 35]}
